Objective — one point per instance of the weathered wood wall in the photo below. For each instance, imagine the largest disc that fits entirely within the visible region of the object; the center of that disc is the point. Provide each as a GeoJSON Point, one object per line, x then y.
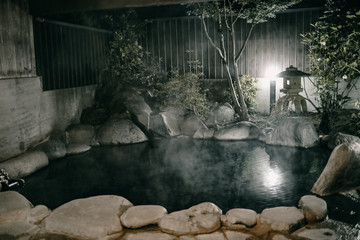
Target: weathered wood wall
{"type": "Point", "coordinates": [17, 57]}
{"type": "Point", "coordinates": [275, 44]}
{"type": "Point", "coordinates": [69, 55]}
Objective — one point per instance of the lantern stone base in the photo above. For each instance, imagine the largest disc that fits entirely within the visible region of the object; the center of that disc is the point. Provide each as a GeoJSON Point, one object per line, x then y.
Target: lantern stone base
{"type": "Point", "coordinates": [299, 103]}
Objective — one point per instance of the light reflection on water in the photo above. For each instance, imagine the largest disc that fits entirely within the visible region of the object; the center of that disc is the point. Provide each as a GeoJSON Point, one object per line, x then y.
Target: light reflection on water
{"type": "Point", "coordinates": [179, 173]}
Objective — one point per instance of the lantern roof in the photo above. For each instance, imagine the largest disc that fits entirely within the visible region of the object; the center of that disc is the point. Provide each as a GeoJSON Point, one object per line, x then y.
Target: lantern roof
{"type": "Point", "coordinates": [292, 72]}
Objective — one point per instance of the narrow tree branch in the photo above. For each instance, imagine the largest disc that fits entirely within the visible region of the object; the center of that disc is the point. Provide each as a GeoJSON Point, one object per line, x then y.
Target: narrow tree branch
{"type": "Point", "coordinates": [245, 43]}
{"type": "Point", "coordinates": [211, 40]}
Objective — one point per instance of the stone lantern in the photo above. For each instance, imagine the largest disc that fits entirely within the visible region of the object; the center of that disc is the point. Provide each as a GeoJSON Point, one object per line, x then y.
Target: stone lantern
{"type": "Point", "coordinates": [291, 89]}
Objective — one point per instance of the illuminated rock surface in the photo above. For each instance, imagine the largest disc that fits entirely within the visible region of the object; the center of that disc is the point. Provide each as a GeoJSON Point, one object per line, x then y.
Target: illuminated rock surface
{"type": "Point", "coordinates": [14, 207]}
{"type": "Point", "coordinates": [294, 132]}
{"type": "Point", "coordinates": [317, 234]}
{"type": "Point", "coordinates": [241, 216]}
{"type": "Point", "coordinates": [341, 172]}
{"type": "Point", "coordinates": [77, 148]}
{"type": "Point", "coordinates": [92, 217]}
{"type": "Point", "coordinates": [238, 131]}
{"type": "Point", "coordinates": [314, 208]}
{"type": "Point", "coordinates": [149, 236]}
{"type": "Point", "coordinates": [140, 216]}
{"type": "Point", "coordinates": [283, 219]}
{"type": "Point", "coordinates": [25, 164]}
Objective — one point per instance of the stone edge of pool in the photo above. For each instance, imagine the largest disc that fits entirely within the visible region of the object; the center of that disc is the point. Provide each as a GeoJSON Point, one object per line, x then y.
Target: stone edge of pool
{"type": "Point", "coordinates": [113, 217]}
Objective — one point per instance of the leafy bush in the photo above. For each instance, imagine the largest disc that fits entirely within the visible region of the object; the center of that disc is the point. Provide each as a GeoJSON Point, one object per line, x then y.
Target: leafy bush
{"type": "Point", "coordinates": [184, 90]}
{"type": "Point", "coordinates": [334, 51]}
{"type": "Point", "coordinates": [248, 84]}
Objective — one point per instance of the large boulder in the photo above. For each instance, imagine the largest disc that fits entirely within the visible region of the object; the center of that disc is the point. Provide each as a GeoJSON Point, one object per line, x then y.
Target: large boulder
{"type": "Point", "coordinates": [80, 134]}
{"type": "Point", "coordinates": [294, 132]}
{"type": "Point", "coordinates": [283, 219]}
{"type": "Point", "coordinates": [94, 217]}
{"type": "Point", "coordinates": [238, 131]}
{"type": "Point", "coordinates": [142, 215]}
{"type": "Point", "coordinates": [167, 123]}
{"type": "Point", "coordinates": [191, 124]}
{"type": "Point", "coordinates": [314, 208]}
{"type": "Point", "coordinates": [220, 115]}
{"type": "Point", "coordinates": [340, 138]}
{"type": "Point", "coordinates": [14, 207]}
{"type": "Point", "coordinates": [25, 164]}
{"type": "Point", "coordinates": [341, 172]}
{"type": "Point", "coordinates": [120, 131]}
{"type": "Point", "coordinates": [53, 149]}
{"type": "Point", "coordinates": [200, 219]}
{"type": "Point", "coordinates": [18, 230]}
{"type": "Point", "coordinates": [132, 100]}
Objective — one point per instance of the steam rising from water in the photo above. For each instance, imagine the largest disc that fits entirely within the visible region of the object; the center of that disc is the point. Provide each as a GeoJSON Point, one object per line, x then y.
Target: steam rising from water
{"type": "Point", "coordinates": [179, 173]}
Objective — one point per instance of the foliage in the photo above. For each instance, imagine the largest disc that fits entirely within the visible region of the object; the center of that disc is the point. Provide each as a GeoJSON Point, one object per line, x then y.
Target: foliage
{"type": "Point", "coordinates": [249, 88]}
{"type": "Point", "coordinates": [334, 51]}
{"type": "Point", "coordinates": [225, 14]}
{"type": "Point", "coordinates": [184, 90]}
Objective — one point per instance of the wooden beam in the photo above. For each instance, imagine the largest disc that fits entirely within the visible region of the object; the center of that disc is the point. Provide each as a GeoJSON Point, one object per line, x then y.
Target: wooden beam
{"type": "Point", "coordinates": [45, 7]}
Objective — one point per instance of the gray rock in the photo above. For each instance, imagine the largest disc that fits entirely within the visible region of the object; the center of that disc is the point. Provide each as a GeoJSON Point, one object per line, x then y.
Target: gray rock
{"type": "Point", "coordinates": [53, 149]}
{"type": "Point", "coordinates": [167, 123]}
{"type": "Point", "coordinates": [294, 132]}
{"type": "Point", "coordinates": [340, 138]}
{"type": "Point", "coordinates": [14, 207]}
{"type": "Point", "coordinates": [18, 230]}
{"type": "Point", "coordinates": [313, 208]}
{"type": "Point", "coordinates": [204, 134]}
{"type": "Point", "coordinates": [25, 164]}
{"type": "Point", "coordinates": [38, 213]}
{"type": "Point", "coordinates": [140, 216]}
{"type": "Point", "coordinates": [241, 216]}
{"type": "Point", "coordinates": [317, 234]}
{"type": "Point", "coordinates": [77, 148]}
{"type": "Point", "coordinates": [82, 133]}
{"type": "Point", "coordinates": [200, 219]}
{"type": "Point", "coordinates": [238, 131]}
{"type": "Point", "coordinates": [120, 131]}
{"type": "Point", "coordinates": [148, 236]}
{"type": "Point", "coordinates": [135, 103]}
{"type": "Point", "coordinates": [100, 212]}
{"type": "Point", "coordinates": [341, 172]}
{"type": "Point", "coordinates": [220, 115]}
{"type": "Point", "coordinates": [283, 219]}
{"type": "Point", "coordinates": [190, 125]}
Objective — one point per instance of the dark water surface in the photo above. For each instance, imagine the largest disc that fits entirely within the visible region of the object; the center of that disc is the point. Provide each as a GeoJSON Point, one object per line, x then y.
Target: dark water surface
{"type": "Point", "coordinates": [179, 173]}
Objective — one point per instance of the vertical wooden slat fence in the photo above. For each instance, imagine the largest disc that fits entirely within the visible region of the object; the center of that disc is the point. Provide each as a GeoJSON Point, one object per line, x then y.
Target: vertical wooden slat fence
{"type": "Point", "coordinates": [69, 55]}
{"type": "Point", "coordinates": [16, 40]}
{"type": "Point", "coordinates": [276, 43]}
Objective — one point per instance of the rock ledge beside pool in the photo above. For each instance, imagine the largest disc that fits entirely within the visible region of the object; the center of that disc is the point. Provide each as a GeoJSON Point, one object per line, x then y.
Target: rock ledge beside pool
{"type": "Point", "coordinates": [114, 217]}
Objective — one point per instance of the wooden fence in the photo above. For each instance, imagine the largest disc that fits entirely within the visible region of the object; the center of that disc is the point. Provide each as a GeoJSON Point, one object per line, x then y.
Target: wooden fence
{"type": "Point", "coordinates": [17, 57]}
{"type": "Point", "coordinates": [69, 55]}
{"type": "Point", "coordinates": [275, 44]}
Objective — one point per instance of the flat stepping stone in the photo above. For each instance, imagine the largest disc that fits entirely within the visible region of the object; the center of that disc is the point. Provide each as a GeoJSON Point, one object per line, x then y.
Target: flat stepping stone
{"type": "Point", "coordinates": [314, 208]}
{"type": "Point", "coordinates": [283, 219]}
{"type": "Point", "coordinates": [14, 207]}
{"type": "Point", "coordinates": [140, 216]}
{"type": "Point", "coordinates": [241, 216]}
{"type": "Point", "coordinates": [93, 217]}
{"type": "Point", "coordinates": [202, 218]}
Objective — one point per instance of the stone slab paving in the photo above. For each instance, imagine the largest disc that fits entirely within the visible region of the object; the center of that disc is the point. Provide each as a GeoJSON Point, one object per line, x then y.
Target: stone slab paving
{"type": "Point", "coordinates": [14, 207]}
{"type": "Point", "coordinates": [149, 236]}
{"type": "Point", "coordinates": [140, 216]}
{"type": "Point", "coordinates": [317, 234]}
{"type": "Point", "coordinates": [92, 217]}
{"type": "Point", "coordinates": [283, 219]}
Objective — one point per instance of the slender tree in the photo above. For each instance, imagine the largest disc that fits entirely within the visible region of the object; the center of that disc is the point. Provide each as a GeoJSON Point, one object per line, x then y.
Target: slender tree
{"type": "Point", "coordinates": [226, 14]}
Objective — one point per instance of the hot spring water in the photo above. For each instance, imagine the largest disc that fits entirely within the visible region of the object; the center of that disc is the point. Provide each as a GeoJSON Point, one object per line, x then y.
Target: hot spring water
{"type": "Point", "coordinates": [179, 173]}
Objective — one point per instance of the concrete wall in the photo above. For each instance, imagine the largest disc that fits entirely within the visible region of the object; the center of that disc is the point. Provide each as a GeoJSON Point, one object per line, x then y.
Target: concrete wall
{"type": "Point", "coordinates": [28, 115]}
